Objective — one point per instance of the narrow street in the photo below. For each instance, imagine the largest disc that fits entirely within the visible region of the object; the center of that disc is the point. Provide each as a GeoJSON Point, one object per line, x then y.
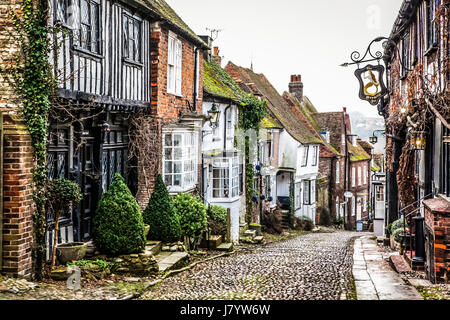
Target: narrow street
{"type": "Point", "coordinates": [316, 266]}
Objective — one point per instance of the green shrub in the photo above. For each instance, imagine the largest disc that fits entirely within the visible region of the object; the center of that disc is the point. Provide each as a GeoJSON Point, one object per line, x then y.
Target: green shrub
{"type": "Point", "coordinates": [398, 224]}
{"type": "Point", "coordinates": [118, 223]}
{"type": "Point", "coordinates": [161, 216]}
{"type": "Point", "coordinates": [193, 217]}
{"type": "Point", "coordinates": [396, 234]}
{"type": "Point", "coordinates": [217, 220]}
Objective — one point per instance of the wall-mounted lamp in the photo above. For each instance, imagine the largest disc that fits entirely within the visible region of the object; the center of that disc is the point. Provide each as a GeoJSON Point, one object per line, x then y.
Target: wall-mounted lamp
{"type": "Point", "coordinates": [418, 140]}
{"type": "Point", "coordinates": [214, 115]}
{"type": "Point", "coordinates": [105, 126]}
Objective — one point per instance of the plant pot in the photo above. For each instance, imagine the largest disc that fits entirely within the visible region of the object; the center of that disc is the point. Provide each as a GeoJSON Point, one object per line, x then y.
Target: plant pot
{"type": "Point", "coordinates": [67, 252]}
{"type": "Point", "coordinates": [146, 230]}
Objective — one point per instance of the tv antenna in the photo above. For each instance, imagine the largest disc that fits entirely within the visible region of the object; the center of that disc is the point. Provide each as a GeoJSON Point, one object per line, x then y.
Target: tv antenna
{"type": "Point", "coordinates": [214, 33]}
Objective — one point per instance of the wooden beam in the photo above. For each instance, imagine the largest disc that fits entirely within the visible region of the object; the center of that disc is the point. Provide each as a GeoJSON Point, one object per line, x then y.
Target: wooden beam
{"type": "Point", "coordinates": [437, 114]}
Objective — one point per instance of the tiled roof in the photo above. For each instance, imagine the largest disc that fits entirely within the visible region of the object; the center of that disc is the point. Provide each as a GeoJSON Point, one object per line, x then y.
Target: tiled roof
{"type": "Point", "coordinates": [332, 122]}
{"type": "Point", "coordinates": [306, 109]}
{"type": "Point", "coordinates": [277, 106]}
{"type": "Point", "coordinates": [165, 12]}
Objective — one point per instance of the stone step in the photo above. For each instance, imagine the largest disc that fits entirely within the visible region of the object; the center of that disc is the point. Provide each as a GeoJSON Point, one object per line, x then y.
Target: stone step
{"type": "Point", "coordinates": [213, 242]}
{"type": "Point", "coordinates": [243, 227]}
{"type": "Point", "coordinates": [171, 260]}
{"type": "Point", "coordinates": [258, 239]}
{"type": "Point", "coordinates": [225, 247]}
{"type": "Point", "coordinates": [250, 233]}
{"type": "Point", "coordinates": [153, 247]}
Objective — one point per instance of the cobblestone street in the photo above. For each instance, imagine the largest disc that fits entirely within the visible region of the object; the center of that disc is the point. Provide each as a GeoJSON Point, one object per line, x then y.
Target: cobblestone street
{"type": "Point", "coordinates": [310, 267]}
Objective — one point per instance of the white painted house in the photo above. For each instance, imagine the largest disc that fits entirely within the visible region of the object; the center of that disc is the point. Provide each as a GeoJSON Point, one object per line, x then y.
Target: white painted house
{"type": "Point", "coordinates": [222, 164]}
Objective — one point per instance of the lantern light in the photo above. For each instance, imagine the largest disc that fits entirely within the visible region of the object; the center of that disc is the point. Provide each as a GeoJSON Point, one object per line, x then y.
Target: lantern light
{"type": "Point", "coordinates": [418, 140]}
{"type": "Point", "coordinates": [403, 110]}
{"type": "Point", "coordinates": [373, 140]}
{"type": "Point", "coordinates": [214, 115]}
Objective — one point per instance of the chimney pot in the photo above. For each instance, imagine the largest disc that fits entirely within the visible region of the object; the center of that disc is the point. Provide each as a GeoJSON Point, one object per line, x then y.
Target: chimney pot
{"type": "Point", "coordinates": [345, 110]}
{"type": "Point", "coordinates": [216, 51]}
{"type": "Point", "coordinates": [292, 78]}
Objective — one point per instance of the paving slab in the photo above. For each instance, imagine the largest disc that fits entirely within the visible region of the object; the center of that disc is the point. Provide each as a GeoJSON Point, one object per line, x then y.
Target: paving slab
{"type": "Point", "coordinates": [378, 281]}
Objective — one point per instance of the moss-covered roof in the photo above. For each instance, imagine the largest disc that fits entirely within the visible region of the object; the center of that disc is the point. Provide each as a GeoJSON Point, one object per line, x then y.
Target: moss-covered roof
{"type": "Point", "coordinates": [218, 83]}
{"type": "Point", "coordinates": [357, 153]}
{"type": "Point", "coordinates": [270, 122]}
{"type": "Point", "coordinates": [161, 8]}
{"type": "Point", "coordinates": [276, 105]}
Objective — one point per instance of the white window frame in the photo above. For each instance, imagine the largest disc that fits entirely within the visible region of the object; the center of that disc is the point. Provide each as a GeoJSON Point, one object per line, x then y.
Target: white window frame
{"type": "Point", "coordinates": [174, 65]}
{"type": "Point", "coordinates": [353, 177]}
{"type": "Point", "coordinates": [359, 176]}
{"type": "Point", "coordinates": [185, 155]}
{"type": "Point", "coordinates": [228, 184]}
{"type": "Point", "coordinates": [305, 156]}
{"type": "Point", "coordinates": [315, 161]}
{"type": "Point", "coordinates": [366, 173]}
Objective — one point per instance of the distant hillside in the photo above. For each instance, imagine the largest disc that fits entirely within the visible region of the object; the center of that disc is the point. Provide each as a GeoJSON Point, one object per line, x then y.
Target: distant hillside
{"type": "Point", "coordinates": [365, 126]}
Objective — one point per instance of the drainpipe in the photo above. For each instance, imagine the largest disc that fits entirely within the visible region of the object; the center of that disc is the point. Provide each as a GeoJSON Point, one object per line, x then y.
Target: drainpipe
{"type": "Point", "coordinates": [195, 78]}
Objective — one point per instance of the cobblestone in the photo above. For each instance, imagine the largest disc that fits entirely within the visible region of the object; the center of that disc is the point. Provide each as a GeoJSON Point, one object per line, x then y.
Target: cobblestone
{"type": "Point", "coordinates": [316, 266]}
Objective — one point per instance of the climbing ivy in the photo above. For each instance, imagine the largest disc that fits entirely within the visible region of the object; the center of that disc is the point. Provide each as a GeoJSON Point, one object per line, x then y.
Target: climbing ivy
{"type": "Point", "coordinates": [31, 77]}
{"type": "Point", "coordinates": [251, 113]}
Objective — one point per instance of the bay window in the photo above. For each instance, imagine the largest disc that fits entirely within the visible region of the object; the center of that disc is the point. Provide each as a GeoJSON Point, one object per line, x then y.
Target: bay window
{"type": "Point", "coordinates": [180, 160]}
{"type": "Point", "coordinates": [225, 178]}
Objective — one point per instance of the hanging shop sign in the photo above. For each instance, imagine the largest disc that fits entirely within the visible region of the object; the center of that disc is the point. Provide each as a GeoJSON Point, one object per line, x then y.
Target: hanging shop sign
{"type": "Point", "coordinates": [372, 87]}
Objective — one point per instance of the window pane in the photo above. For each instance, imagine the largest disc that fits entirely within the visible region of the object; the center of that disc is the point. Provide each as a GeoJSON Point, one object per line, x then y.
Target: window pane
{"type": "Point", "coordinates": [177, 167]}
{"type": "Point", "coordinates": [177, 180]}
{"type": "Point", "coordinates": [168, 167]}
{"type": "Point", "coordinates": [168, 140]}
{"type": "Point", "coordinates": [168, 153]}
{"type": "Point", "coordinates": [177, 140]}
{"type": "Point", "coordinates": [85, 12]}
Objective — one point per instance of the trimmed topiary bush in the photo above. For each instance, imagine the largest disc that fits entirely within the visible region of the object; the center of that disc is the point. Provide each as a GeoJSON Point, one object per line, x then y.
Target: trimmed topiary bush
{"type": "Point", "coordinates": [161, 216]}
{"type": "Point", "coordinates": [273, 221]}
{"type": "Point", "coordinates": [193, 217]}
{"type": "Point", "coordinates": [118, 223]}
{"type": "Point", "coordinates": [217, 220]}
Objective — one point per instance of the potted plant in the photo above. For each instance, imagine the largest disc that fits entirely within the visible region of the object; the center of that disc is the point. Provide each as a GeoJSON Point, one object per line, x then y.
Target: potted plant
{"type": "Point", "coordinates": [62, 195]}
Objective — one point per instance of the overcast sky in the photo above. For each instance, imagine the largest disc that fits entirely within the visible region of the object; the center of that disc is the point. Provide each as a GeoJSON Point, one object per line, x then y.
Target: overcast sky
{"type": "Point", "coordinates": [306, 37]}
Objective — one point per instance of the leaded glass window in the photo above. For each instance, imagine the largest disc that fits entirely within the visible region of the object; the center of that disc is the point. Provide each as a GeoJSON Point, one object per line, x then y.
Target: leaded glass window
{"type": "Point", "coordinates": [131, 38]}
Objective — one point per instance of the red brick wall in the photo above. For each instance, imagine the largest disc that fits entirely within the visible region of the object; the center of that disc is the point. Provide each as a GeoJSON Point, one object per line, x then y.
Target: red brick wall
{"type": "Point", "coordinates": [18, 204]}
{"type": "Point", "coordinates": [437, 218]}
{"type": "Point", "coordinates": [166, 107]}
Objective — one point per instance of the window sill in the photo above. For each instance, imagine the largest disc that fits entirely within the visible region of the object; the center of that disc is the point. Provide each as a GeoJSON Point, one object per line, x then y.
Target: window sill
{"type": "Point", "coordinates": [87, 52]}
{"type": "Point", "coordinates": [175, 94]}
{"type": "Point", "coordinates": [176, 190]}
{"type": "Point", "coordinates": [132, 62]}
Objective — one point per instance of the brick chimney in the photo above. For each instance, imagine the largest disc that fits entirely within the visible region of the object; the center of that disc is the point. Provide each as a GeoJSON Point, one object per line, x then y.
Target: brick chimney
{"type": "Point", "coordinates": [296, 87]}
{"type": "Point", "coordinates": [216, 57]}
